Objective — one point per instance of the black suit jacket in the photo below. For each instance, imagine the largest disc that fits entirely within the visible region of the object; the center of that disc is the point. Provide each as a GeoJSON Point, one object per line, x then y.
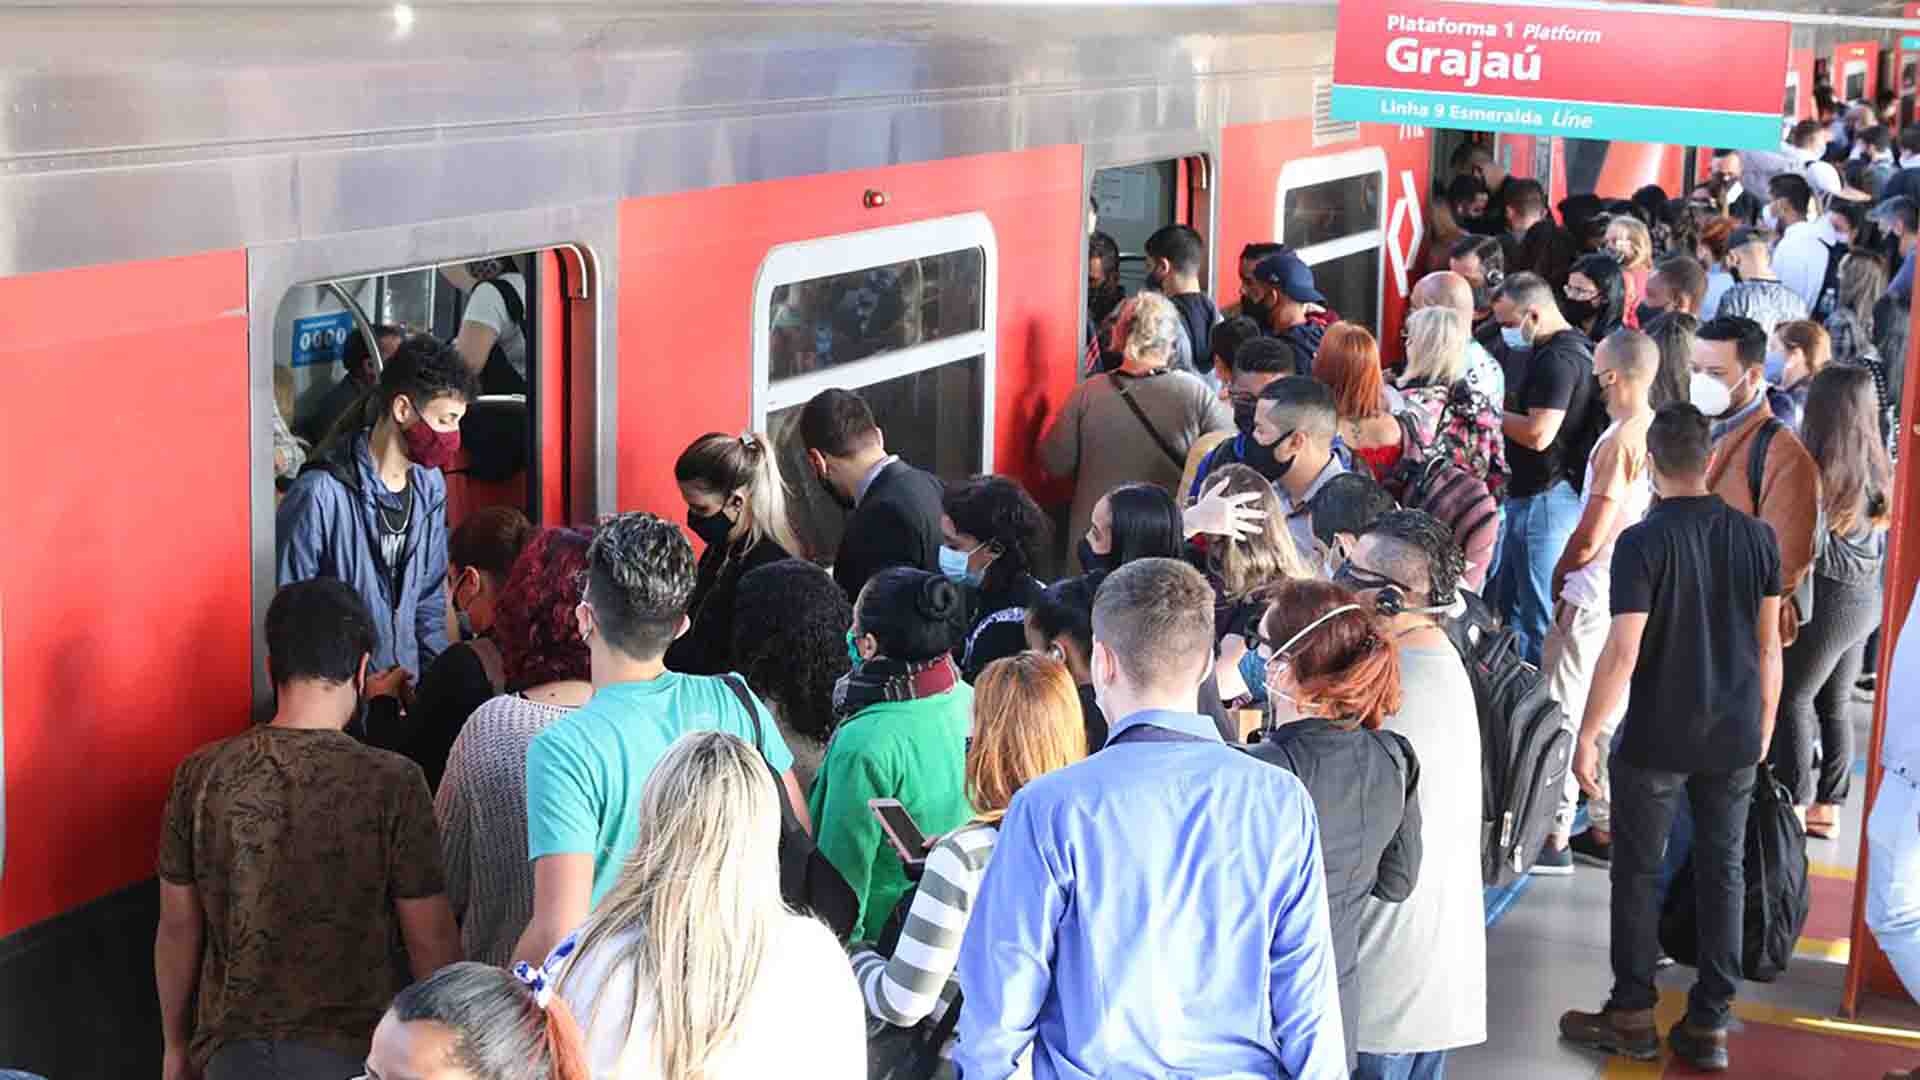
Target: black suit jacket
{"type": "Point", "coordinates": [1747, 208]}
{"type": "Point", "coordinates": [897, 524]}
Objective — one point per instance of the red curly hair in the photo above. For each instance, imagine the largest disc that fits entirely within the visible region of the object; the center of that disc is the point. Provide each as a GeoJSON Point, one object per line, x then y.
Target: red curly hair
{"type": "Point", "coordinates": [538, 638]}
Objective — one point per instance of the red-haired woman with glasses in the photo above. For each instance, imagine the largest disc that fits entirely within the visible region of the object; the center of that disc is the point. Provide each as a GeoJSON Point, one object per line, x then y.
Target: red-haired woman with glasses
{"type": "Point", "coordinates": [1332, 676]}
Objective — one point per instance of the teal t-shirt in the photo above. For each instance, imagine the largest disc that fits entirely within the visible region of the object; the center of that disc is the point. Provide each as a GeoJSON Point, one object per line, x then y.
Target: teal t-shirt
{"type": "Point", "coordinates": [586, 771]}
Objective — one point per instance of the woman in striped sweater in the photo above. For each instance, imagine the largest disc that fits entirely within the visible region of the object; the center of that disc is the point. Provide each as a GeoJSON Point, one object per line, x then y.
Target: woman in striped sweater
{"type": "Point", "coordinates": [1026, 722]}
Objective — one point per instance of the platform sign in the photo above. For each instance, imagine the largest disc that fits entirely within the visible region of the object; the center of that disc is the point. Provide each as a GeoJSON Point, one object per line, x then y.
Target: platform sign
{"type": "Point", "coordinates": [1631, 76]}
{"type": "Point", "coordinates": [321, 339]}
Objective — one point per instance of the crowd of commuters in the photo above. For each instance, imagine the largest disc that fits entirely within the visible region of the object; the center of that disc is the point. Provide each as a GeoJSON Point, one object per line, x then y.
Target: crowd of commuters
{"type": "Point", "coordinates": [1210, 804]}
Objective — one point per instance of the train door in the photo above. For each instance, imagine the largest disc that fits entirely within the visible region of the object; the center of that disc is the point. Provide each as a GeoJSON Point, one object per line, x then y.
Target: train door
{"type": "Point", "coordinates": [1332, 211]}
{"type": "Point", "coordinates": [1128, 201]}
{"type": "Point", "coordinates": [1790, 104]}
{"type": "Point", "coordinates": [327, 314]}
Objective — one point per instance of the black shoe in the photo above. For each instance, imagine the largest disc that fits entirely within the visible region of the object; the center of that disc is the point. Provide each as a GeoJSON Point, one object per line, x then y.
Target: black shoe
{"type": "Point", "coordinates": [1704, 1050]}
{"type": "Point", "coordinates": [1590, 851]}
{"type": "Point", "coordinates": [1629, 1034]}
{"type": "Point", "coordinates": [1553, 861]}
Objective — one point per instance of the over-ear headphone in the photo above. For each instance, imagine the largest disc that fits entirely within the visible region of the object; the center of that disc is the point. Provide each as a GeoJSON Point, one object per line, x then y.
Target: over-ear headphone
{"type": "Point", "coordinates": [1390, 601]}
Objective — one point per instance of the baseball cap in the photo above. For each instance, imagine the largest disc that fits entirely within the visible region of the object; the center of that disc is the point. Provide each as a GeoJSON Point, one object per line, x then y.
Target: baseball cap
{"type": "Point", "coordinates": [1284, 271]}
{"type": "Point", "coordinates": [1748, 234]}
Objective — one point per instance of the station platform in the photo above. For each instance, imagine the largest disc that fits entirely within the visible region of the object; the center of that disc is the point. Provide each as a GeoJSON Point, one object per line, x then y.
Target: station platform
{"type": "Point", "coordinates": [1547, 953]}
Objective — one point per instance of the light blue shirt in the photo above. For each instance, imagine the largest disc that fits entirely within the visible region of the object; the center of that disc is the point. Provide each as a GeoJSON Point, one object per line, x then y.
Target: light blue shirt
{"type": "Point", "coordinates": [1718, 282]}
{"type": "Point", "coordinates": [1156, 910]}
{"type": "Point", "coordinates": [1900, 746]}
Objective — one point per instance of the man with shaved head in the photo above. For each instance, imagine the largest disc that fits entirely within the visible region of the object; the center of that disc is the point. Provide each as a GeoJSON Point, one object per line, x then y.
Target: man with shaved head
{"type": "Point", "coordinates": [1617, 493]}
{"type": "Point", "coordinates": [1444, 288]}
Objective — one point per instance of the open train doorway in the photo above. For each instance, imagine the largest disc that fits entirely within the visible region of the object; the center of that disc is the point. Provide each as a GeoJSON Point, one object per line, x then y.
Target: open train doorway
{"type": "Point", "coordinates": [504, 313]}
{"type": "Point", "coordinates": [1127, 204]}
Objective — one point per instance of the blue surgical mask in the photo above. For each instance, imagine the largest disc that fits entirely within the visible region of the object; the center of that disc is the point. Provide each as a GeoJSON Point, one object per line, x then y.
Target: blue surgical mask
{"type": "Point", "coordinates": [1776, 366]}
{"type": "Point", "coordinates": [953, 563]}
{"type": "Point", "coordinates": [1515, 337]}
{"type": "Point", "coordinates": [853, 649]}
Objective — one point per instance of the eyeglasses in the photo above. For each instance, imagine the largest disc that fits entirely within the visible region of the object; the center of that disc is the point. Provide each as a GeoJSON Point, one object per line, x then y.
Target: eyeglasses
{"type": "Point", "coordinates": [1360, 578]}
{"type": "Point", "coordinates": [1582, 294]}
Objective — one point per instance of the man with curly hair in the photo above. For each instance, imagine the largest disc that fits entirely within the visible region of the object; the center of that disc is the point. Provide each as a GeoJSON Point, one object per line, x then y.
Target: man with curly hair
{"type": "Point", "coordinates": [585, 773]}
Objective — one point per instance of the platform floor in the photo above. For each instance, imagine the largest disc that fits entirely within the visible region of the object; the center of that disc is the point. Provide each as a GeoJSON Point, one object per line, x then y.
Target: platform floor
{"type": "Point", "coordinates": [1547, 952]}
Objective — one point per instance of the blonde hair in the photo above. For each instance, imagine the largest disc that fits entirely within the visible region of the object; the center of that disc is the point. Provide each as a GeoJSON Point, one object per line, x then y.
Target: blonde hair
{"type": "Point", "coordinates": [1026, 723]}
{"type": "Point", "coordinates": [694, 912]}
{"type": "Point", "coordinates": [1267, 556]}
{"type": "Point", "coordinates": [1148, 325]}
{"type": "Point", "coordinates": [724, 464]}
{"type": "Point", "coordinates": [1436, 346]}
{"type": "Point", "coordinates": [1638, 238]}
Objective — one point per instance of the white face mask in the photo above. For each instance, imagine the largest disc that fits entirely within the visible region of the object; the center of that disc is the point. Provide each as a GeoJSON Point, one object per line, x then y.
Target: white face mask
{"type": "Point", "coordinates": [1709, 394]}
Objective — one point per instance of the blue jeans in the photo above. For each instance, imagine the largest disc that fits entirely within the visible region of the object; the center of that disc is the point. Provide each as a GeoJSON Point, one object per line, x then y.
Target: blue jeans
{"type": "Point", "coordinates": [1431, 1065]}
{"type": "Point", "coordinates": [1531, 540]}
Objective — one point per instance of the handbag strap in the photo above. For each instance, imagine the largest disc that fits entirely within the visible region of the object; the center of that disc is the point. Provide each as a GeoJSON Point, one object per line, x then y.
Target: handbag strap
{"type": "Point", "coordinates": [1179, 460]}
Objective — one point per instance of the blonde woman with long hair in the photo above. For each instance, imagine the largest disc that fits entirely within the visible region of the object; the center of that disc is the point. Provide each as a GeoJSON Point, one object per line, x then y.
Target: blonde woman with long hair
{"type": "Point", "coordinates": [1026, 723]}
{"type": "Point", "coordinates": [737, 506]}
{"type": "Point", "coordinates": [692, 968]}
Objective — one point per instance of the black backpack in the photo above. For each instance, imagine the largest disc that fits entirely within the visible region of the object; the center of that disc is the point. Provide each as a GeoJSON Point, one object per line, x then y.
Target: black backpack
{"type": "Point", "coordinates": [808, 882]}
{"type": "Point", "coordinates": [1777, 896]}
{"type": "Point", "coordinates": [1525, 747]}
{"type": "Point", "coordinates": [498, 377]}
{"type": "Point", "coordinates": [1829, 296]}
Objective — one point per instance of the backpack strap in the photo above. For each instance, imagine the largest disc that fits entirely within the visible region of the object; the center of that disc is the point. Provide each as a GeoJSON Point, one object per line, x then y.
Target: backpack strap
{"type": "Point", "coordinates": [739, 687]}
{"type": "Point", "coordinates": [1179, 460]}
{"type": "Point", "coordinates": [1757, 458]}
{"type": "Point", "coordinates": [509, 298]}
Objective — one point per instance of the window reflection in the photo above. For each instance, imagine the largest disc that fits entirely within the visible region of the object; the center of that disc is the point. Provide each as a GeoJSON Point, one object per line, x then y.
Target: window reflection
{"type": "Point", "coordinates": [1330, 210]}
{"type": "Point", "coordinates": [932, 418]}
{"type": "Point", "coordinates": [827, 321]}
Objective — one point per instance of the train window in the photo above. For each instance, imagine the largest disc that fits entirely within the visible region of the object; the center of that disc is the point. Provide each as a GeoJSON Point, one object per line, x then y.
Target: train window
{"type": "Point", "coordinates": [842, 318]}
{"type": "Point", "coordinates": [1790, 105]}
{"type": "Point", "coordinates": [904, 315]}
{"type": "Point", "coordinates": [331, 339]}
{"type": "Point", "coordinates": [1331, 211]}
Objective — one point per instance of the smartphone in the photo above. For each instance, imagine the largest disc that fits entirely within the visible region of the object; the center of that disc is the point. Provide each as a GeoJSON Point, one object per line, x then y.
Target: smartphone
{"type": "Point", "coordinates": [907, 839]}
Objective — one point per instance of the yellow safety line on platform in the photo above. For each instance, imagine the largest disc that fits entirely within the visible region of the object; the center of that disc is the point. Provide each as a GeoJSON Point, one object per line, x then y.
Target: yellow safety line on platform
{"type": "Point", "coordinates": [1830, 870]}
{"type": "Point", "coordinates": [1673, 1006]}
{"type": "Point", "coordinates": [1824, 950]}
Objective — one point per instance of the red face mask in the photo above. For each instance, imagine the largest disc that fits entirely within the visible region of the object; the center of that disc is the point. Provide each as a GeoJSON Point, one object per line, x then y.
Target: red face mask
{"type": "Point", "coordinates": [428, 448]}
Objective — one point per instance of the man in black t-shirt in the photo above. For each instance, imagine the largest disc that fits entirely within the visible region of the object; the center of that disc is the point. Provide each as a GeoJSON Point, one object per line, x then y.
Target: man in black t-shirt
{"type": "Point", "coordinates": [1550, 393]}
{"type": "Point", "coordinates": [1175, 255]}
{"type": "Point", "coordinates": [1696, 632]}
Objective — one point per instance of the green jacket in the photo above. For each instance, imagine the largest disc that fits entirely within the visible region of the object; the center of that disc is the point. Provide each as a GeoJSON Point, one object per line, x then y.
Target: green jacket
{"type": "Point", "coordinates": [913, 751]}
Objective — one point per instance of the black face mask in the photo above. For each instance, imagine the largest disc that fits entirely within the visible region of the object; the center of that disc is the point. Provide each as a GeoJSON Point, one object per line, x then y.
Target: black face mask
{"type": "Point", "coordinates": [712, 529]}
{"type": "Point", "coordinates": [1259, 458]}
{"type": "Point", "coordinates": [1735, 272]}
{"type": "Point", "coordinates": [1258, 312]}
{"type": "Point", "coordinates": [1091, 561]}
{"type": "Point", "coordinates": [1579, 311]}
{"type": "Point", "coordinates": [1243, 410]}
{"type": "Point", "coordinates": [1647, 313]}
{"type": "Point", "coordinates": [833, 493]}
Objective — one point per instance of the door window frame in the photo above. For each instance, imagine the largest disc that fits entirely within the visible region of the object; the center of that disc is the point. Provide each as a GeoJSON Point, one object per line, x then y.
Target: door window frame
{"type": "Point", "coordinates": [1350, 164]}
{"type": "Point", "coordinates": [808, 260]}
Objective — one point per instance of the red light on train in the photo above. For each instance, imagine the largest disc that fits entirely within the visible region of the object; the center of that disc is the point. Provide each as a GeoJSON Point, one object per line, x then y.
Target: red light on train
{"type": "Point", "coordinates": [874, 199]}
